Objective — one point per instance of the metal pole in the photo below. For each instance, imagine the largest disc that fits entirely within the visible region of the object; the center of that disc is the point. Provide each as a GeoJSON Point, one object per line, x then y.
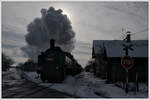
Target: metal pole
{"type": "Point", "coordinates": [126, 80]}
{"type": "Point", "coordinates": [137, 85]}
{"type": "Point", "coordinates": [126, 73]}
{"type": "Point", "coordinates": [126, 51]}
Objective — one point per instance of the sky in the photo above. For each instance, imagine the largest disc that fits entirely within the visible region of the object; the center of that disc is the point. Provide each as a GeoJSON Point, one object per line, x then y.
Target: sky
{"type": "Point", "coordinates": [90, 21]}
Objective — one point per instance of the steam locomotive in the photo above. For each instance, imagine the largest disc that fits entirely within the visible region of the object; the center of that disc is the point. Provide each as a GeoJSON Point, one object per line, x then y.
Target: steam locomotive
{"type": "Point", "coordinates": [54, 64]}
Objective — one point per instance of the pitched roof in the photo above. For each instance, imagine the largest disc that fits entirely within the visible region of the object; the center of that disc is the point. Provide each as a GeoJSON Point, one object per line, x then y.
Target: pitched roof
{"type": "Point", "coordinates": [114, 48]}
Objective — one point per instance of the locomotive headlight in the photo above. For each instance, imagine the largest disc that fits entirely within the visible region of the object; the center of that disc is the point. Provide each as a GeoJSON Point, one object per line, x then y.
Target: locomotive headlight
{"type": "Point", "coordinates": [57, 67]}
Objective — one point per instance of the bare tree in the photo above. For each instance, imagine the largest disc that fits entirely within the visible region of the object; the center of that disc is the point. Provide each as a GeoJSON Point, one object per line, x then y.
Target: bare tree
{"type": "Point", "coordinates": [6, 62]}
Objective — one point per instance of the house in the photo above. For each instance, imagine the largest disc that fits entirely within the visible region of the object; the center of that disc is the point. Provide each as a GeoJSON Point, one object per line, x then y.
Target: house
{"type": "Point", "coordinates": [108, 55]}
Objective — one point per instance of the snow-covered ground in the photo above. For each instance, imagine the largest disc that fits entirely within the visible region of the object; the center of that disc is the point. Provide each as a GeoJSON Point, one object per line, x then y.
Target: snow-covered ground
{"type": "Point", "coordinates": [85, 85]}
{"type": "Point", "coordinates": [11, 74]}
{"type": "Point", "coordinates": [11, 77]}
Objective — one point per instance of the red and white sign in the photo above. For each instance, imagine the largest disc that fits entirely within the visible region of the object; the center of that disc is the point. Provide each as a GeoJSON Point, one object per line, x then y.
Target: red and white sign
{"type": "Point", "coordinates": [50, 57]}
{"type": "Point", "coordinates": [127, 62]}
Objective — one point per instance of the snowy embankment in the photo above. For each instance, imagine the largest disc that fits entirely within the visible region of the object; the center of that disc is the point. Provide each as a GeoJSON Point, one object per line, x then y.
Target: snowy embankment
{"type": "Point", "coordinates": [11, 77]}
{"type": "Point", "coordinates": [85, 85]}
{"type": "Point", "coordinates": [11, 74]}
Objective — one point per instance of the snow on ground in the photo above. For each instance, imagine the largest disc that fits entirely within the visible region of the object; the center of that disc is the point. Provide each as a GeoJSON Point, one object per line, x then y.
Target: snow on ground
{"type": "Point", "coordinates": [11, 76]}
{"type": "Point", "coordinates": [87, 86]}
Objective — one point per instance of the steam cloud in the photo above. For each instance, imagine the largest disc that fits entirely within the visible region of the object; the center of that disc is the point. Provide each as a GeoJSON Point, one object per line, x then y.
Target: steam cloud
{"type": "Point", "coordinates": [52, 24]}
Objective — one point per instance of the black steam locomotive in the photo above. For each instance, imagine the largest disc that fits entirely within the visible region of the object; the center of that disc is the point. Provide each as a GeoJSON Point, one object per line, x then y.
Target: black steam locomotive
{"type": "Point", "coordinates": [54, 64]}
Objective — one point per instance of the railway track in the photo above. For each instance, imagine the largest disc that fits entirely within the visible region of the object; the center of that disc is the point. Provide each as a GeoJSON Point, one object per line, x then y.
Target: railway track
{"type": "Point", "coordinates": [21, 88]}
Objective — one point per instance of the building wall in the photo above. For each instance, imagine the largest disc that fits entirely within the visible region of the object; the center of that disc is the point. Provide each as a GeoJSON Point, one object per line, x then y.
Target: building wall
{"type": "Point", "coordinates": [114, 71]}
{"type": "Point", "coordinates": [100, 67]}
{"type": "Point", "coordinates": [140, 66]}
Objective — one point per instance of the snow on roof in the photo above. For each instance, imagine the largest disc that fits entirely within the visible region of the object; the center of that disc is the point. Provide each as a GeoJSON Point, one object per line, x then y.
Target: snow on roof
{"type": "Point", "coordinates": [114, 48]}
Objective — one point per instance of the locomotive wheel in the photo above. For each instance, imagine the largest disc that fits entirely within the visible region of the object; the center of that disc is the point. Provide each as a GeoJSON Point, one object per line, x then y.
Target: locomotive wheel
{"type": "Point", "coordinates": [42, 78]}
{"type": "Point", "coordinates": [64, 73]}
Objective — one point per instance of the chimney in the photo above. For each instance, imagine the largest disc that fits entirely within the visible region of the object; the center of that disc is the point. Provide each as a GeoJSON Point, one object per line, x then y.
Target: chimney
{"type": "Point", "coordinates": [52, 43]}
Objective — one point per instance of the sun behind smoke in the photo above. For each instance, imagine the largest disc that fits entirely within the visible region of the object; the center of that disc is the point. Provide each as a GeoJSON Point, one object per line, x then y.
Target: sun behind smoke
{"type": "Point", "coordinates": [52, 24]}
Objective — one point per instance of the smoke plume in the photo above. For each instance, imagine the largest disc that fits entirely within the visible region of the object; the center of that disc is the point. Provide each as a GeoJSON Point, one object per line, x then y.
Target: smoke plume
{"type": "Point", "coordinates": [52, 24]}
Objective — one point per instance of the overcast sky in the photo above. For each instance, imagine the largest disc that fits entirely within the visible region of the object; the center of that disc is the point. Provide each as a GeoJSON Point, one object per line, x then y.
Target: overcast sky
{"type": "Point", "coordinates": [90, 21]}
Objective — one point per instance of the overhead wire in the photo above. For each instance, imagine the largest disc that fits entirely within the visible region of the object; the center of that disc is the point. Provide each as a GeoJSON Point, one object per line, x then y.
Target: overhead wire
{"type": "Point", "coordinates": [139, 31]}
{"type": "Point", "coordinates": [123, 35]}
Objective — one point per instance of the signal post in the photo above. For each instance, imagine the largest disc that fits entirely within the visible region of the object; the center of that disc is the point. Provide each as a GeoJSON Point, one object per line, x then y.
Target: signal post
{"type": "Point", "coordinates": [127, 61]}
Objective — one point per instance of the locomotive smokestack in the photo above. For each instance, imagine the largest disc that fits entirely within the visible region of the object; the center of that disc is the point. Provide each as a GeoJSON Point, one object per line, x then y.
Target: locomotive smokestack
{"type": "Point", "coordinates": [52, 43]}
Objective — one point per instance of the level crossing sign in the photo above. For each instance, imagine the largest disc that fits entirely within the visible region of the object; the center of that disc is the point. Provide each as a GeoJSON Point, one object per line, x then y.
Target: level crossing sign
{"type": "Point", "coordinates": [127, 62]}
